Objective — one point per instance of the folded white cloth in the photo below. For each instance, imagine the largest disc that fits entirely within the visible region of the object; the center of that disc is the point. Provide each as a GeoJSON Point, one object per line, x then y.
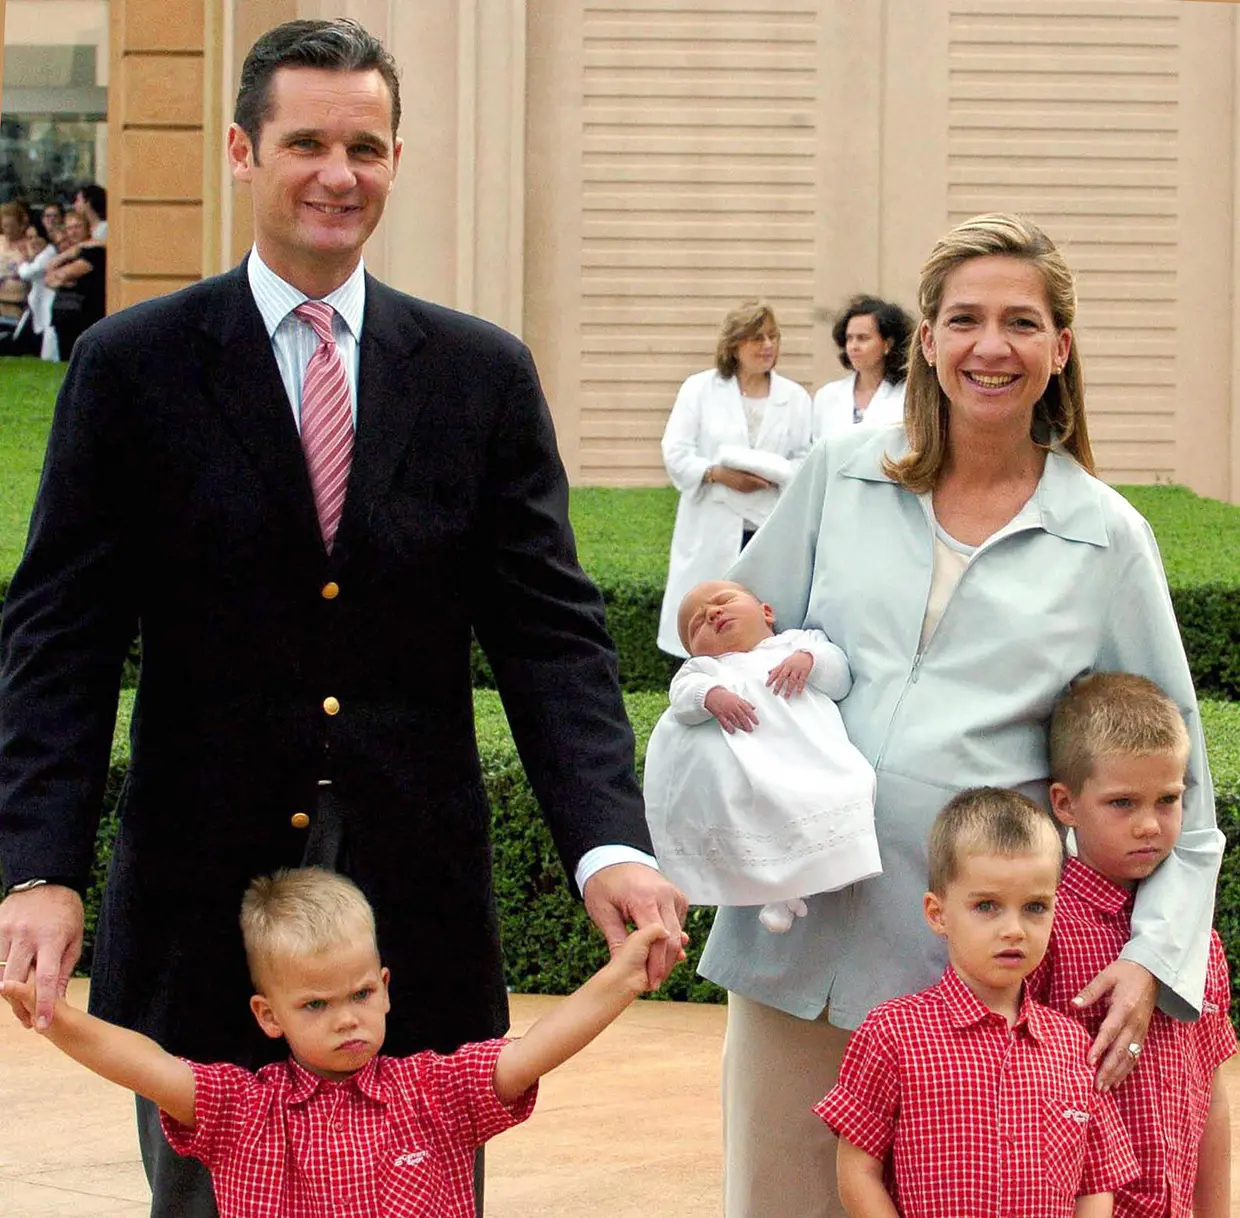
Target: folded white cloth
{"type": "Point", "coordinates": [768, 465]}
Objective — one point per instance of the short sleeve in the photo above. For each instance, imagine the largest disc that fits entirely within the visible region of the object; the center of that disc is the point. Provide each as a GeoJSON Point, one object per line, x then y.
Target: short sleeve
{"type": "Point", "coordinates": [221, 1095]}
{"type": "Point", "coordinates": [862, 1106]}
{"type": "Point", "coordinates": [1109, 1161]}
{"type": "Point", "coordinates": [1216, 1038]}
{"type": "Point", "coordinates": [460, 1090]}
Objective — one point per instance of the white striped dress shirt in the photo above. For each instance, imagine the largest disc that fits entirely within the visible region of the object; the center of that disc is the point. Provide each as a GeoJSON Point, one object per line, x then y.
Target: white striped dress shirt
{"type": "Point", "coordinates": [293, 340]}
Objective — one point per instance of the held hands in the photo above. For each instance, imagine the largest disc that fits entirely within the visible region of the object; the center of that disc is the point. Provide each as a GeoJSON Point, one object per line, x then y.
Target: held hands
{"type": "Point", "coordinates": [20, 996]}
{"type": "Point", "coordinates": [730, 709]}
{"type": "Point", "coordinates": [629, 964]}
{"type": "Point", "coordinates": [633, 894]}
{"type": "Point", "coordinates": [41, 933]}
{"type": "Point", "coordinates": [788, 678]}
{"type": "Point", "coordinates": [1133, 990]}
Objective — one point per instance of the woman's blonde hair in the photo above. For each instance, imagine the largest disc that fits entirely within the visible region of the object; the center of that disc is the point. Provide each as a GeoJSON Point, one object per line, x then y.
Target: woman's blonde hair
{"type": "Point", "coordinates": [1058, 417]}
{"type": "Point", "coordinates": [747, 320]}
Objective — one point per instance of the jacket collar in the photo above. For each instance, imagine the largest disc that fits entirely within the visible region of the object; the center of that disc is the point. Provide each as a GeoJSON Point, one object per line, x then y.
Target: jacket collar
{"type": "Point", "coordinates": [782, 388]}
{"type": "Point", "coordinates": [1067, 501]}
{"type": "Point", "coordinates": [1093, 888]}
{"type": "Point", "coordinates": [243, 378]}
{"type": "Point", "coordinates": [965, 1010]}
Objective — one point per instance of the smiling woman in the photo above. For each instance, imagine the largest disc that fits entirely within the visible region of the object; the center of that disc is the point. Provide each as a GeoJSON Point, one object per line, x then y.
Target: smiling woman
{"type": "Point", "coordinates": [970, 566]}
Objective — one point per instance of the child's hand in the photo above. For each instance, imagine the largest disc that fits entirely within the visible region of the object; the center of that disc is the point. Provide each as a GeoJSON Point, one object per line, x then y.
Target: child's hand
{"type": "Point", "coordinates": [788, 677]}
{"type": "Point", "coordinates": [731, 710]}
{"type": "Point", "coordinates": [629, 959]}
{"type": "Point", "coordinates": [20, 996]}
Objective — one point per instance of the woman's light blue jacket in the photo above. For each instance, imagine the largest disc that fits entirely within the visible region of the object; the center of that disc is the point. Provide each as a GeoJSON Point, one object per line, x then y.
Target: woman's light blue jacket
{"type": "Point", "coordinates": [1074, 583]}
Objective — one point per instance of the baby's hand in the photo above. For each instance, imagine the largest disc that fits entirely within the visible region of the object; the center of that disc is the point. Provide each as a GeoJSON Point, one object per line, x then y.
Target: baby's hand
{"type": "Point", "coordinates": [731, 710]}
{"type": "Point", "coordinates": [20, 996]}
{"type": "Point", "coordinates": [788, 678]}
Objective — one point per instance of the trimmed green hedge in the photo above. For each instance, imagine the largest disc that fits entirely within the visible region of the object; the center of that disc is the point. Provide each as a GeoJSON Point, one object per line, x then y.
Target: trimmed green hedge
{"type": "Point", "coordinates": [550, 946]}
{"type": "Point", "coordinates": [623, 537]}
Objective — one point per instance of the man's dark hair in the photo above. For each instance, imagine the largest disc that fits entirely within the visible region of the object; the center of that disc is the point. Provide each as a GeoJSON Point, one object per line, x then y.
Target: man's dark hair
{"type": "Point", "coordinates": [340, 45]}
{"type": "Point", "coordinates": [96, 198]}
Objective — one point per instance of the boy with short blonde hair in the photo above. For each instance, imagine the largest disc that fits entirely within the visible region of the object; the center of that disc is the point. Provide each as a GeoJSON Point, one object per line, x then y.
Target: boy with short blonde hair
{"type": "Point", "coordinates": [970, 1097]}
{"type": "Point", "coordinates": [1118, 752]}
{"type": "Point", "coordinates": [338, 1127]}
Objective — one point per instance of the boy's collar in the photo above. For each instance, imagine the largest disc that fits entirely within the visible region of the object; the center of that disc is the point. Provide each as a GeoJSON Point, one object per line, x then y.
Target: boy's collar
{"type": "Point", "coordinates": [305, 1083]}
{"type": "Point", "coordinates": [965, 1009]}
{"type": "Point", "coordinates": [1104, 894]}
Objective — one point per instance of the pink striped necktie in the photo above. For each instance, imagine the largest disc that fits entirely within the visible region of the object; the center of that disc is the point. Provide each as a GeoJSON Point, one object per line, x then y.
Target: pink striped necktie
{"type": "Point", "coordinates": [326, 420]}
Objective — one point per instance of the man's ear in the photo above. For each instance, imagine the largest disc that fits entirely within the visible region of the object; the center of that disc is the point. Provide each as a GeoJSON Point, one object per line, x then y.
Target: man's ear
{"type": "Point", "coordinates": [266, 1016]}
{"type": "Point", "coordinates": [769, 614]}
{"type": "Point", "coordinates": [242, 155]}
{"type": "Point", "coordinates": [1063, 804]}
{"type": "Point", "coordinates": [932, 907]}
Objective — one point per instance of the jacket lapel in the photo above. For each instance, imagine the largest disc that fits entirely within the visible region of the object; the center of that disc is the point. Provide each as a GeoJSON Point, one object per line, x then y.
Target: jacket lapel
{"type": "Point", "coordinates": [246, 386]}
{"type": "Point", "coordinates": [389, 397]}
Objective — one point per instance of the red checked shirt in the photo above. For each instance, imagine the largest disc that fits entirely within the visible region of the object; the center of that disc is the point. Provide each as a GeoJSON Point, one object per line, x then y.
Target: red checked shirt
{"type": "Point", "coordinates": [1164, 1101]}
{"type": "Point", "coordinates": [395, 1139]}
{"type": "Point", "coordinates": [976, 1119]}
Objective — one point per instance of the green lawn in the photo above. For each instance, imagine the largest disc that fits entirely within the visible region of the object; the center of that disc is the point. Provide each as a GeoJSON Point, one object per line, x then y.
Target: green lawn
{"type": "Point", "coordinates": [27, 391]}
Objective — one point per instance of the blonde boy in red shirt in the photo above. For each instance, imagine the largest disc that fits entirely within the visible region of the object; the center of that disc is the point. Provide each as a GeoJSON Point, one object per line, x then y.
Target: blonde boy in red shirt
{"type": "Point", "coordinates": [1118, 752]}
{"type": "Point", "coordinates": [337, 1128]}
{"type": "Point", "coordinates": [969, 1099]}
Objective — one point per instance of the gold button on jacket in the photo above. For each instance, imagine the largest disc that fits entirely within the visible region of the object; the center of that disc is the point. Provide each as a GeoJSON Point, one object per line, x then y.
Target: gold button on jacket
{"type": "Point", "coordinates": [299, 820]}
{"type": "Point", "coordinates": [331, 706]}
{"type": "Point", "coordinates": [329, 591]}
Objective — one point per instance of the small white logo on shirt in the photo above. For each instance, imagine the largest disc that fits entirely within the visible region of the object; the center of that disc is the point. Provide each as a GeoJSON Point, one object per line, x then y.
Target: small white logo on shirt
{"type": "Point", "coordinates": [410, 1159]}
{"type": "Point", "coordinates": [1075, 1114]}
{"type": "Point", "coordinates": [1209, 1008]}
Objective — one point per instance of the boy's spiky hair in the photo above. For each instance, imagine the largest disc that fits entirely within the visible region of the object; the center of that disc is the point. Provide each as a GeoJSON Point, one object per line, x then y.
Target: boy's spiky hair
{"type": "Point", "coordinates": [301, 912]}
{"type": "Point", "coordinates": [987, 820]}
{"type": "Point", "coordinates": [1106, 714]}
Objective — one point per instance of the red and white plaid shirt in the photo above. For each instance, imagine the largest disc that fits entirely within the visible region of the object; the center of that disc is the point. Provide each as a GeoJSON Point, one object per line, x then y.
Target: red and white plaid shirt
{"type": "Point", "coordinates": [1164, 1101]}
{"type": "Point", "coordinates": [976, 1119]}
{"type": "Point", "coordinates": [397, 1138]}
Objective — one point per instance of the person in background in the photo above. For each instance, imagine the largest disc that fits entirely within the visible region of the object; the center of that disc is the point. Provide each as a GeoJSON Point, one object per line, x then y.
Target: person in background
{"type": "Point", "coordinates": [34, 327]}
{"type": "Point", "coordinates": [14, 220]}
{"type": "Point", "coordinates": [736, 435]}
{"type": "Point", "coordinates": [78, 276]}
{"type": "Point", "coordinates": [970, 565]}
{"type": "Point", "coordinates": [53, 215]}
{"type": "Point", "coordinates": [872, 336]}
{"type": "Point", "coordinates": [91, 202]}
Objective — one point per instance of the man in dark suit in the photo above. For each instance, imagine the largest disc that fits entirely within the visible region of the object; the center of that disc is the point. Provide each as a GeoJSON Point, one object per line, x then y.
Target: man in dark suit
{"type": "Point", "coordinates": [305, 488]}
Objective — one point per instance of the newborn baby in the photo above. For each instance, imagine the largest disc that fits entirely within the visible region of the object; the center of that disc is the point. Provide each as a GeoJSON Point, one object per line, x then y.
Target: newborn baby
{"type": "Point", "coordinates": [754, 793]}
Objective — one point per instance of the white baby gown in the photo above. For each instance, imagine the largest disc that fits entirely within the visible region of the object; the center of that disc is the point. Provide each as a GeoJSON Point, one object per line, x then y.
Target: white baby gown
{"type": "Point", "coordinates": [777, 813]}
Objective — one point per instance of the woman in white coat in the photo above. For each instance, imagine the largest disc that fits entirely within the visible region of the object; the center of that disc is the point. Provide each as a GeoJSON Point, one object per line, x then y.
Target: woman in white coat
{"type": "Point", "coordinates": [873, 337]}
{"type": "Point", "coordinates": [736, 435]}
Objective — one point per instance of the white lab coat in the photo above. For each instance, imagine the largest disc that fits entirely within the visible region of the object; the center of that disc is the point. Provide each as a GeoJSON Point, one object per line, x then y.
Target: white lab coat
{"type": "Point", "coordinates": [833, 406]}
{"type": "Point", "coordinates": [707, 418]}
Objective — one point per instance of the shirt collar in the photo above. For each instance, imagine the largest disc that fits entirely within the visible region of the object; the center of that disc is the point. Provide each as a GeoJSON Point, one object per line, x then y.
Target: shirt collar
{"type": "Point", "coordinates": [277, 298]}
{"type": "Point", "coordinates": [1066, 503]}
{"type": "Point", "coordinates": [965, 1009]}
{"type": "Point", "coordinates": [303, 1084]}
{"type": "Point", "coordinates": [1092, 887]}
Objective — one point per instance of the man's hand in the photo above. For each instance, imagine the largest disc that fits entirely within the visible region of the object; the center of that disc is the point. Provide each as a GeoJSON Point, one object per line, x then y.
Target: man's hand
{"type": "Point", "coordinates": [739, 480]}
{"type": "Point", "coordinates": [1133, 991]}
{"type": "Point", "coordinates": [730, 709]}
{"type": "Point", "coordinates": [627, 894]}
{"type": "Point", "coordinates": [41, 933]}
{"type": "Point", "coordinates": [788, 678]}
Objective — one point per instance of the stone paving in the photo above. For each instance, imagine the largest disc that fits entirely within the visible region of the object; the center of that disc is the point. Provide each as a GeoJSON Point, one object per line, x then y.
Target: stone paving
{"type": "Point", "coordinates": [629, 1128]}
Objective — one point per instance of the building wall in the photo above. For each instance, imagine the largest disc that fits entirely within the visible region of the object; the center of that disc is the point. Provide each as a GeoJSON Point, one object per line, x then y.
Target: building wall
{"type": "Point", "coordinates": [608, 178]}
